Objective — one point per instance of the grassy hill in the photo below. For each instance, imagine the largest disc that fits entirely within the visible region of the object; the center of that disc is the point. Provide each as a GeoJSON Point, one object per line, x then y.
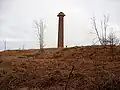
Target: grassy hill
{"type": "Point", "coordinates": [76, 68]}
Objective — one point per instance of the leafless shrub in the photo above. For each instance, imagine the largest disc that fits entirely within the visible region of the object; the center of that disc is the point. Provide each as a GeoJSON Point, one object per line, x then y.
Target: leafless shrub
{"type": "Point", "coordinates": [70, 74]}
{"type": "Point", "coordinates": [112, 39]}
{"type": "Point", "coordinates": [105, 81]}
{"type": "Point", "coordinates": [3, 72]}
{"type": "Point", "coordinates": [1, 61]}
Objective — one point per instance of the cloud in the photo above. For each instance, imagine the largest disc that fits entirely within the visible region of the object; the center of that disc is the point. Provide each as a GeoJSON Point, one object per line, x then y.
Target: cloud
{"type": "Point", "coordinates": [16, 19]}
{"type": "Point", "coordinates": [114, 0]}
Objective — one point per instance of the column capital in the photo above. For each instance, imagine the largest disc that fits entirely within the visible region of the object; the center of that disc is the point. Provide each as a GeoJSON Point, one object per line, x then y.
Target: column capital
{"type": "Point", "coordinates": [61, 14]}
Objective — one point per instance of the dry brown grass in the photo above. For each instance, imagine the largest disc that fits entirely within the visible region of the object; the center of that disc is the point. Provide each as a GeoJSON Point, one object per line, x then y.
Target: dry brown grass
{"type": "Point", "coordinates": [94, 69]}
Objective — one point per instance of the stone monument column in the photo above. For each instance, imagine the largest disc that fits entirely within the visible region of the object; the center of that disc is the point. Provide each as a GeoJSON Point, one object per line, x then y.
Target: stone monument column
{"type": "Point", "coordinates": [61, 30]}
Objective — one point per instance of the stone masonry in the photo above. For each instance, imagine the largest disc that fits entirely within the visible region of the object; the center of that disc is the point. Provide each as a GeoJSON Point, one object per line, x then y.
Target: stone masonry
{"type": "Point", "coordinates": [61, 30]}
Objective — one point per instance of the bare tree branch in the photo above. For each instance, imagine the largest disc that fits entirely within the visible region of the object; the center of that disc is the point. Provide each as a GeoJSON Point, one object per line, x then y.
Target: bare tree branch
{"type": "Point", "coordinates": [112, 39]}
{"type": "Point", "coordinates": [106, 19]}
{"type": "Point", "coordinates": [5, 44]}
{"type": "Point", "coordinates": [102, 29]}
{"type": "Point", "coordinates": [40, 32]}
{"type": "Point", "coordinates": [102, 35]}
{"type": "Point", "coordinates": [95, 27]}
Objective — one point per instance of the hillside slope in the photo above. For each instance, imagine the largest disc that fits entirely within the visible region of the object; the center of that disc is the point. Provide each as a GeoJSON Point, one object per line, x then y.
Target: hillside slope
{"type": "Point", "coordinates": [75, 68]}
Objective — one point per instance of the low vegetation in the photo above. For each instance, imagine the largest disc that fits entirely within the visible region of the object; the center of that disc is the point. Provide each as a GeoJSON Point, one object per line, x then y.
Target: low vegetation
{"type": "Point", "coordinates": [94, 69]}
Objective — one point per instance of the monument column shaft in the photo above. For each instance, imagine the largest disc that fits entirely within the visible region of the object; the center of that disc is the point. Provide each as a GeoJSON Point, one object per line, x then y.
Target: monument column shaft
{"type": "Point", "coordinates": [61, 32]}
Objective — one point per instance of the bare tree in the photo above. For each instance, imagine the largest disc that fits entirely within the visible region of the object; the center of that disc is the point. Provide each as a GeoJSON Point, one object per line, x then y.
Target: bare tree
{"type": "Point", "coordinates": [101, 34]}
{"type": "Point", "coordinates": [103, 37]}
{"type": "Point", "coordinates": [5, 44]}
{"type": "Point", "coordinates": [22, 47]}
{"type": "Point", "coordinates": [40, 33]}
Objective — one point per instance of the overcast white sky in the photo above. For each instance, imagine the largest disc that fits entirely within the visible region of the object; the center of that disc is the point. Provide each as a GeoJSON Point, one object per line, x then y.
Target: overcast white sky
{"type": "Point", "coordinates": [17, 16]}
